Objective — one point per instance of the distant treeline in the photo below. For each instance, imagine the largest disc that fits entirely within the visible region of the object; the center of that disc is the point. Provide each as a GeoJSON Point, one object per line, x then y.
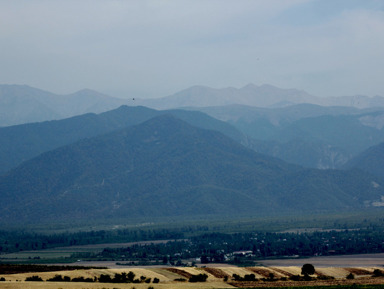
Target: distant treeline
{"type": "Point", "coordinates": [200, 242]}
{"type": "Point", "coordinates": [27, 268]}
{"type": "Point", "coordinates": [15, 241]}
{"type": "Point", "coordinates": [217, 247]}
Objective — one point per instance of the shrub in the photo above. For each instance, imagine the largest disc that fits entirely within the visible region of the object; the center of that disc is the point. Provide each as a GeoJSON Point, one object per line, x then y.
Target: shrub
{"type": "Point", "coordinates": [296, 278]}
{"type": "Point", "coordinates": [198, 278]}
{"type": "Point", "coordinates": [33, 278]}
{"type": "Point", "coordinates": [59, 278]}
{"type": "Point", "coordinates": [82, 279]}
{"type": "Point", "coordinates": [307, 277]}
{"type": "Point", "coordinates": [377, 273]}
{"type": "Point", "coordinates": [105, 278]}
{"type": "Point", "coordinates": [2, 279]}
{"type": "Point", "coordinates": [325, 277]}
{"type": "Point", "coordinates": [350, 276]}
{"type": "Point", "coordinates": [250, 277]}
{"type": "Point", "coordinates": [156, 280]}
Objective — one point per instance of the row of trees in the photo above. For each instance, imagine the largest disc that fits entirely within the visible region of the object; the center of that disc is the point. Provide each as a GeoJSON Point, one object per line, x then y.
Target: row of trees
{"type": "Point", "coordinates": [103, 278]}
{"type": "Point", "coordinates": [14, 241]}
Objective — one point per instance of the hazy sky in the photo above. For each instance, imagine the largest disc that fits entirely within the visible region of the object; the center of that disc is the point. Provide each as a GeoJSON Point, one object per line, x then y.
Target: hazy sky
{"type": "Point", "coordinates": [156, 48]}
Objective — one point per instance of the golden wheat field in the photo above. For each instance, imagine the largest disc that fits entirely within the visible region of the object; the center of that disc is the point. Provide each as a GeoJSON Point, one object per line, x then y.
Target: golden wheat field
{"type": "Point", "coordinates": [170, 277]}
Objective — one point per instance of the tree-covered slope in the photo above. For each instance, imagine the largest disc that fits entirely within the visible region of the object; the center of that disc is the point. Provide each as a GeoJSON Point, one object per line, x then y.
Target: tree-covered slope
{"type": "Point", "coordinates": [371, 160]}
{"type": "Point", "coordinates": [307, 134]}
{"type": "Point", "coordinates": [166, 167]}
{"type": "Point", "coordinates": [22, 142]}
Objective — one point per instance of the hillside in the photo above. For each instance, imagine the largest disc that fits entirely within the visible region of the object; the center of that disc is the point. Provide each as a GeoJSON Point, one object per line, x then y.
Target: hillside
{"type": "Point", "coordinates": [305, 134]}
{"type": "Point", "coordinates": [22, 142]}
{"type": "Point", "coordinates": [165, 167]}
{"type": "Point", "coordinates": [371, 160]}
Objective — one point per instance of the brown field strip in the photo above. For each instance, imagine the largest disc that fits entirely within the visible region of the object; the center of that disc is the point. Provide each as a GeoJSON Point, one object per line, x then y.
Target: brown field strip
{"type": "Point", "coordinates": [282, 272]}
{"type": "Point", "coordinates": [265, 272]}
{"type": "Point", "coordinates": [235, 270]}
{"type": "Point", "coordinates": [359, 271]}
{"type": "Point", "coordinates": [289, 271]}
{"type": "Point", "coordinates": [218, 273]}
{"type": "Point", "coordinates": [180, 272]}
{"type": "Point", "coordinates": [167, 275]}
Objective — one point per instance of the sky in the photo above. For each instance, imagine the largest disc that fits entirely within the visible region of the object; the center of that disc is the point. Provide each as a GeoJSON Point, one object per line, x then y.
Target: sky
{"type": "Point", "coordinates": [155, 48]}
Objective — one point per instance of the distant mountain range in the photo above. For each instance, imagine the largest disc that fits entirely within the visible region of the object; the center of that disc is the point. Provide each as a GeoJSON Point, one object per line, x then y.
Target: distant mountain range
{"type": "Point", "coordinates": [257, 96]}
{"type": "Point", "coordinates": [166, 167]}
{"type": "Point", "coordinates": [307, 135]}
{"type": "Point", "coordinates": [24, 104]}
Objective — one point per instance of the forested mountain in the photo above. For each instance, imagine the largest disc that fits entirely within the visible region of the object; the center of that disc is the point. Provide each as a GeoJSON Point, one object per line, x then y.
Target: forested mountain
{"type": "Point", "coordinates": [22, 142]}
{"type": "Point", "coordinates": [306, 134]}
{"type": "Point", "coordinates": [166, 167]}
{"type": "Point", "coordinates": [371, 160]}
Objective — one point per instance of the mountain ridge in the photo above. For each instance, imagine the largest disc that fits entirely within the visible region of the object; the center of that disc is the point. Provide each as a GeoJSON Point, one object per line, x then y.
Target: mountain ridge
{"type": "Point", "coordinates": [21, 142]}
{"type": "Point", "coordinates": [23, 104]}
{"type": "Point", "coordinates": [166, 167]}
{"type": "Point", "coordinates": [265, 95]}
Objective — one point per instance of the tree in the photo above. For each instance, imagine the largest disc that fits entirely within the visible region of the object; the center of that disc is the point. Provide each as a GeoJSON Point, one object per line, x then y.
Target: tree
{"type": "Point", "coordinates": [377, 273]}
{"type": "Point", "coordinates": [307, 269]}
{"type": "Point", "coordinates": [350, 276]}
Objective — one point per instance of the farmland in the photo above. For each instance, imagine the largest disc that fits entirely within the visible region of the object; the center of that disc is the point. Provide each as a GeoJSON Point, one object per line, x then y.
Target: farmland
{"type": "Point", "coordinates": [217, 277]}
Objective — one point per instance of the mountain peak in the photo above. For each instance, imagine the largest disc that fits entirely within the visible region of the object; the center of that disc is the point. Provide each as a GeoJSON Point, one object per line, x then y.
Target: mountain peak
{"type": "Point", "coordinates": [250, 86]}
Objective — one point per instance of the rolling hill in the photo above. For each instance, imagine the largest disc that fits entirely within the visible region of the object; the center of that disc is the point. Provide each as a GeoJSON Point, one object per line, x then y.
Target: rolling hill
{"type": "Point", "coordinates": [166, 167]}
